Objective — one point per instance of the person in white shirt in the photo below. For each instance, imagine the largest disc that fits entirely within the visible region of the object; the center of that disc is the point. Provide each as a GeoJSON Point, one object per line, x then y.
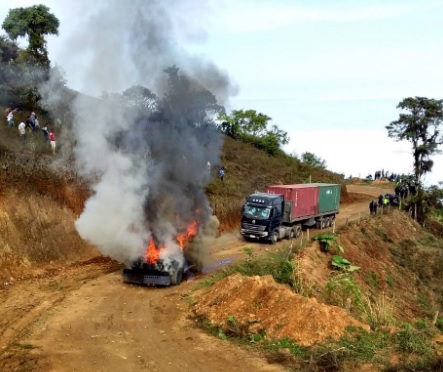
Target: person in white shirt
{"type": "Point", "coordinates": [22, 130]}
{"type": "Point", "coordinates": [10, 118]}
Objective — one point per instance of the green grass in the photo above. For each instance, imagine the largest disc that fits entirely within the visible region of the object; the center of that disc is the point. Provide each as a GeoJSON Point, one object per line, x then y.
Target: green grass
{"type": "Point", "coordinates": [410, 340]}
{"type": "Point", "coordinates": [275, 264]}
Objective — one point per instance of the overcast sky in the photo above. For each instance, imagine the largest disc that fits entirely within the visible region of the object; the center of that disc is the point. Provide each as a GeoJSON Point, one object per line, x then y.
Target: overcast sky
{"type": "Point", "coordinates": [330, 73]}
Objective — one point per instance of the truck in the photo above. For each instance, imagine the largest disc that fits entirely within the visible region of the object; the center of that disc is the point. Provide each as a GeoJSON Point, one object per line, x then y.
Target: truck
{"type": "Point", "coordinates": [283, 210]}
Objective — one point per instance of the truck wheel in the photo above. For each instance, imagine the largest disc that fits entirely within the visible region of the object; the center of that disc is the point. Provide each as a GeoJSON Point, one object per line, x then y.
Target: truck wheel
{"type": "Point", "coordinates": [297, 231]}
{"type": "Point", "coordinates": [327, 222]}
{"type": "Point", "coordinates": [274, 237]}
{"type": "Point", "coordinates": [176, 277]}
{"type": "Point", "coordinates": [332, 220]}
{"type": "Point", "coordinates": [323, 223]}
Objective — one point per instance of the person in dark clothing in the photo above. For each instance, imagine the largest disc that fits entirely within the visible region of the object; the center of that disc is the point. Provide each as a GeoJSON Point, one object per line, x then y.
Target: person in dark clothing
{"type": "Point", "coordinates": [45, 133]}
{"type": "Point", "coordinates": [373, 207]}
{"type": "Point", "coordinates": [380, 201]}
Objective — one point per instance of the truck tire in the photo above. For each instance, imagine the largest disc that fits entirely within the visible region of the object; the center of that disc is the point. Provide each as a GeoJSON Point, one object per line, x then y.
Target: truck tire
{"type": "Point", "coordinates": [176, 277]}
{"type": "Point", "coordinates": [297, 231]}
{"type": "Point", "coordinates": [274, 237]}
{"type": "Point", "coordinates": [327, 222]}
{"type": "Point", "coordinates": [323, 223]}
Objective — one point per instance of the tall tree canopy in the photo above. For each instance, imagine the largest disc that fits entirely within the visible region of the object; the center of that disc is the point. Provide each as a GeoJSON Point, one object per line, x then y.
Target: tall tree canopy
{"type": "Point", "coordinates": [35, 22]}
{"type": "Point", "coordinates": [313, 160]}
{"type": "Point", "coordinates": [252, 127]}
{"type": "Point", "coordinates": [421, 125]}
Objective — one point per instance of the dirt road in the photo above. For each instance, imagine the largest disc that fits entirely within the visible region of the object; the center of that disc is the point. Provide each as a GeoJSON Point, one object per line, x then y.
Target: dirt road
{"type": "Point", "coordinates": [82, 317]}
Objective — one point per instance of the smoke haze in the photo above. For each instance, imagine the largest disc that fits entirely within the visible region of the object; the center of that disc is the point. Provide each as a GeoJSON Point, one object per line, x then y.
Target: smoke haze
{"type": "Point", "coordinates": [144, 150]}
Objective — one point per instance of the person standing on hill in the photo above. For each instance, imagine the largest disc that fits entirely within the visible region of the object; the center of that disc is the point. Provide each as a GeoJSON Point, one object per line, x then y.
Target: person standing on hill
{"type": "Point", "coordinates": [45, 133]}
{"type": "Point", "coordinates": [30, 122]}
{"type": "Point", "coordinates": [10, 118]}
{"type": "Point", "coordinates": [22, 130]}
{"type": "Point", "coordinates": [52, 140]}
{"type": "Point", "coordinates": [380, 201]}
{"type": "Point", "coordinates": [222, 173]}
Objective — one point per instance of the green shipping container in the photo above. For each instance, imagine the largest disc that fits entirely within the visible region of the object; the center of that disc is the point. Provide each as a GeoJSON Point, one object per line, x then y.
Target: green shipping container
{"type": "Point", "coordinates": [328, 198]}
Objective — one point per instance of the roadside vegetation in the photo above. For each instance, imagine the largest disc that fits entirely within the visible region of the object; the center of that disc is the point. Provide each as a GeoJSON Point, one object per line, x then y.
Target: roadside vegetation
{"type": "Point", "coordinates": [405, 326]}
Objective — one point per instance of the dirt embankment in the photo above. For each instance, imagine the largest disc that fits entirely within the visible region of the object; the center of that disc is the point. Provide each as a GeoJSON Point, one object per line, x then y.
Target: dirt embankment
{"type": "Point", "coordinates": [35, 231]}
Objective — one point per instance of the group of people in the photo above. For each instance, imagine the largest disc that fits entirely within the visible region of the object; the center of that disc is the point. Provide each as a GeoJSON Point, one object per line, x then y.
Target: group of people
{"type": "Point", "coordinates": [32, 125]}
{"type": "Point", "coordinates": [383, 201]}
{"type": "Point", "coordinates": [403, 191]}
{"type": "Point", "coordinates": [378, 175]}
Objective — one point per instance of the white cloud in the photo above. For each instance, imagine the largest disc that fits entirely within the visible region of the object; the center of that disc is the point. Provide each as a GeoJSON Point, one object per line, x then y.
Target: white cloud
{"type": "Point", "coordinates": [360, 152]}
{"type": "Point", "coordinates": [254, 16]}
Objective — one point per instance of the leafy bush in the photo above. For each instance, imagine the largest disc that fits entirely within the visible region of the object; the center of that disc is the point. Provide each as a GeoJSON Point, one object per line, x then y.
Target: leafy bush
{"type": "Point", "coordinates": [340, 263]}
{"type": "Point", "coordinates": [328, 242]}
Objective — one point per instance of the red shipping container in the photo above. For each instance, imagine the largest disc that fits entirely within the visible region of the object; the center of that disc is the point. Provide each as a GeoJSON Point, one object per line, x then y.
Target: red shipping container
{"type": "Point", "coordinates": [303, 198]}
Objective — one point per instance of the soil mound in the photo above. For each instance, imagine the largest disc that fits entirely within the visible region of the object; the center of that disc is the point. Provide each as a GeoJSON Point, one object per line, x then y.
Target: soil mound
{"type": "Point", "coordinates": [260, 304]}
{"type": "Point", "coordinates": [381, 181]}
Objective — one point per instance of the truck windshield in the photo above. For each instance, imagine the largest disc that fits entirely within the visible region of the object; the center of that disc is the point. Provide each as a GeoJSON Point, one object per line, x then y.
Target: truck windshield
{"type": "Point", "coordinates": [256, 212]}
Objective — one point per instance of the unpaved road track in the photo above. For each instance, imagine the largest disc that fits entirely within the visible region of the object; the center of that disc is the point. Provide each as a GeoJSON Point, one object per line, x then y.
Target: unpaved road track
{"type": "Point", "coordinates": [83, 318]}
{"type": "Point", "coordinates": [102, 324]}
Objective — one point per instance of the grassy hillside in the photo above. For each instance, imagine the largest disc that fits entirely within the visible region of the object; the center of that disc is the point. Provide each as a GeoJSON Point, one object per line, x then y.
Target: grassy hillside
{"type": "Point", "coordinates": [396, 295]}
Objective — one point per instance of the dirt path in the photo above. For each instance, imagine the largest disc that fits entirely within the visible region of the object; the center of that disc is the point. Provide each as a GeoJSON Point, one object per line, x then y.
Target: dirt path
{"type": "Point", "coordinates": [82, 317]}
{"type": "Point", "coordinates": [87, 320]}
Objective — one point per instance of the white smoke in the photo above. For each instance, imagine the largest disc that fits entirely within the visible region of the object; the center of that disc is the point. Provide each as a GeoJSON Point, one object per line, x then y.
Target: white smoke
{"type": "Point", "coordinates": [143, 170]}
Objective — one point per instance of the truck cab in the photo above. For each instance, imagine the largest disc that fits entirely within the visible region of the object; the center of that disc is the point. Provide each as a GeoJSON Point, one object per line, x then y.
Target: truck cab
{"type": "Point", "coordinates": [262, 214]}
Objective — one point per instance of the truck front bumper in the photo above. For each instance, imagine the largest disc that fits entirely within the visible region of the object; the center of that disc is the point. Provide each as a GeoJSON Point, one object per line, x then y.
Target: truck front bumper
{"type": "Point", "coordinates": [147, 277]}
{"type": "Point", "coordinates": [254, 234]}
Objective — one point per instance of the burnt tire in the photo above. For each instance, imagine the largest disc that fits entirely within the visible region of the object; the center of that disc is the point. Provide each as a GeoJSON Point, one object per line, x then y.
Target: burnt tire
{"type": "Point", "coordinates": [177, 277]}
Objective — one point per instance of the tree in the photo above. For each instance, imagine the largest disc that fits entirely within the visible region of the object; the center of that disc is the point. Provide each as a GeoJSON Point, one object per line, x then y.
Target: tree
{"type": "Point", "coordinates": [8, 50]}
{"type": "Point", "coordinates": [251, 127]}
{"type": "Point", "coordinates": [139, 96]}
{"type": "Point", "coordinates": [421, 125]}
{"type": "Point", "coordinates": [187, 101]}
{"type": "Point", "coordinates": [35, 22]}
{"type": "Point", "coordinates": [313, 160]}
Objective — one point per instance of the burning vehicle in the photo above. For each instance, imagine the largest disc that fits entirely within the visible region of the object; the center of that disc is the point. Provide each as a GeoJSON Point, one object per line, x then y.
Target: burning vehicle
{"type": "Point", "coordinates": [161, 266]}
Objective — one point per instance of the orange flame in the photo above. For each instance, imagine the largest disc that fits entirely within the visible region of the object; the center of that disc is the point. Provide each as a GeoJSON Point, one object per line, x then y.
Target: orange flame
{"type": "Point", "coordinates": [152, 253]}
{"type": "Point", "coordinates": [191, 231]}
